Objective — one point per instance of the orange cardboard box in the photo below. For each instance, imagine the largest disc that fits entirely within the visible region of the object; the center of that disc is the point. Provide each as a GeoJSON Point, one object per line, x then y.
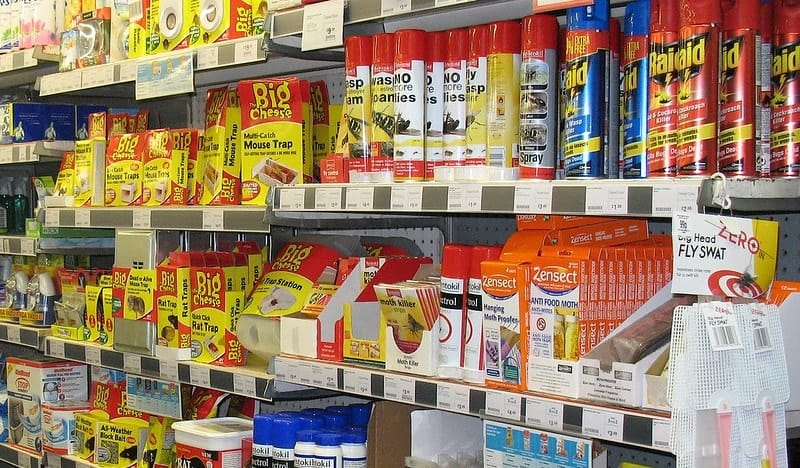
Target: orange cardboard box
{"type": "Point", "coordinates": [617, 232]}
{"type": "Point", "coordinates": [549, 222]}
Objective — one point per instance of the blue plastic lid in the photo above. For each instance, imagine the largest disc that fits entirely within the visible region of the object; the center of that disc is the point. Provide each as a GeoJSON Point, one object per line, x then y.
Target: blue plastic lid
{"type": "Point", "coordinates": [360, 413]}
{"type": "Point", "coordinates": [335, 420]}
{"type": "Point", "coordinates": [354, 436]}
{"type": "Point", "coordinates": [328, 439]}
{"type": "Point", "coordinates": [262, 428]}
{"type": "Point", "coordinates": [306, 435]}
{"type": "Point", "coordinates": [289, 414]}
{"type": "Point", "coordinates": [339, 410]}
{"type": "Point", "coordinates": [308, 421]}
{"type": "Point", "coordinates": [594, 16]}
{"type": "Point", "coordinates": [637, 18]}
{"type": "Point", "coordinates": [313, 412]}
{"type": "Point", "coordinates": [284, 430]}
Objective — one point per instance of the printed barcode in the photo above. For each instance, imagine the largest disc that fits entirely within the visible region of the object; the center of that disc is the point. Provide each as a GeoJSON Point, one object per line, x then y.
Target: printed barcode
{"type": "Point", "coordinates": [594, 207]}
{"type": "Point", "coordinates": [724, 336]}
{"type": "Point", "coordinates": [663, 209]}
{"type": "Point", "coordinates": [497, 156]}
{"type": "Point", "coordinates": [761, 339]}
{"type": "Point", "coordinates": [135, 10]}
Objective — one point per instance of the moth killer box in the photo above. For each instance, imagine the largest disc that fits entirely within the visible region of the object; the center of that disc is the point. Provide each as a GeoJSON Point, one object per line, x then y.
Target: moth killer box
{"type": "Point", "coordinates": [124, 169]}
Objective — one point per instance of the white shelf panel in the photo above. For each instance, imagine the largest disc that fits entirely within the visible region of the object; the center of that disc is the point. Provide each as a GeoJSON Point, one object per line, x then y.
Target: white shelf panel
{"type": "Point", "coordinates": [18, 60]}
{"type": "Point", "coordinates": [18, 245]}
{"type": "Point", "coordinates": [26, 336]}
{"type": "Point", "coordinates": [18, 457]}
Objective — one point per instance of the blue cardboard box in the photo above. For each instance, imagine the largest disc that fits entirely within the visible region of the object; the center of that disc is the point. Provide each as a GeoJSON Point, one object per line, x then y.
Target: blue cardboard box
{"type": "Point", "coordinates": [22, 122]}
{"type": "Point", "coordinates": [82, 113]}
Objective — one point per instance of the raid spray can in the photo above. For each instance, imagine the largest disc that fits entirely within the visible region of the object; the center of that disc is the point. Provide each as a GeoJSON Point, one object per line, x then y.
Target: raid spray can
{"type": "Point", "coordinates": [476, 95]}
{"type": "Point", "coordinates": [785, 157]}
{"type": "Point", "coordinates": [764, 85]}
{"type": "Point", "coordinates": [636, 76]}
{"type": "Point", "coordinates": [538, 122]}
{"type": "Point", "coordinates": [434, 102]}
{"type": "Point", "coordinates": [358, 103]}
{"type": "Point", "coordinates": [698, 96]}
{"type": "Point", "coordinates": [502, 84]}
{"type": "Point", "coordinates": [382, 88]}
{"type": "Point", "coordinates": [409, 93]}
{"type": "Point", "coordinates": [455, 98]}
{"type": "Point", "coordinates": [585, 84]}
{"type": "Point", "coordinates": [612, 151]}
{"type": "Point", "coordinates": [663, 85]}
{"type": "Point", "coordinates": [738, 89]}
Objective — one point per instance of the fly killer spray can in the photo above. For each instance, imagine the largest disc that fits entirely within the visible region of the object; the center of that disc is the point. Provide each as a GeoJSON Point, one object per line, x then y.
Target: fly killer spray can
{"type": "Point", "coordinates": [663, 85]}
{"type": "Point", "coordinates": [635, 79]}
{"type": "Point", "coordinates": [737, 79]}
{"type": "Point", "coordinates": [357, 100]}
{"type": "Point", "coordinates": [502, 84]}
{"type": "Point", "coordinates": [409, 94]}
{"type": "Point", "coordinates": [612, 151]}
{"type": "Point", "coordinates": [434, 102]}
{"type": "Point", "coordinates": [764, 85]}
{"type": "Point", "coordinates": [476, 95]}
{"type": "Point", "coordinates": [382, 87]}
{"type": "Point", "coordinates": [455, 98]}
{"type": "Point", "coordinates": [698, 96]}
{"type": "Point", "coordinates": [538, 97]}
{"type": "Point", "coordinates": [585, 81]}
{"type": "Point", "coordinates": [785, 157]}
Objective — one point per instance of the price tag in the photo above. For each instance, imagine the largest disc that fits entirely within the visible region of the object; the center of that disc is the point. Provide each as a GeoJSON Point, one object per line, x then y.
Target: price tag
{"type": "Point", "coordinates": [93, 354]}
{"type": "Point", "coordinates": [686, 200]}
{"type": "Point", "coordinates": [292, 199]}
{"type": "Point", "coordinates": [166, 76]}
{"type": "Point", "coordinates": [27, 58]}
{"type": "Point", "coordinates": [596, 199]}
{"type": "Point", "coordinates": [464, 197]}
{"type": "Point", "coordinates": [6, 62]}
{"type": "Point", "coordinates": [246, 51]}
{"type": "Point", "coordinates": [127, 71]}
{"type": "Point", "coordinates": [328, 198]}
{"type": "Point", "coordinates": [83, 218]}
{"type": "Point", "coordinates": [358, 382]}
{"type": "Point", "coordinates": [27, 247]}
{"type": "Point", "coordinates": [504, 405]}
{"type": "Point", "coordinates": [602, 424]}
{"type": "Point", "coordinates": [323, 24]}
{"type": "Point", "coordinates": [6, 154]}
{"type": "Point", "coordinates": [52, 217]}
{"type": "Point", "coordinates": [406, 197]}
{"type": "Point", "coordinates": [101, 75]}
{"type": "Point", "coordinates": [56, 348]}
{"type": "Point", "coordinates": [305, 371]}
{"type": "Point", "coordinates": [132, 363]}
{"type": "Point", "coordinates": [452, 398]}
{"type": "Point", "coordinates": [548, 415]}
{"type": "Point", "coordinates": [244, 384]}
{"type": "Point", "coordinates": [663, 201]}
{"type": "Point", "coordinates": [395, 7]}
{"type": "Point", "coordinates": [168, 370]}
{"type": "Point", "coordinates": [399, 389]}
{"type": "Point", "coordinates": [441, 3]}
{"type": "Point", "coordinates": [208, 57]}
{"type": "Point", "coordinates": [24, 460]}
{"type": "Point", "coordinates": [213, 219]}
{"type": "Point", "coordinates": [141, 218]}
{"type": "Point", "coordinates": [326, 376]}
{"type": "Point", "coordinates": [360, 198]}
{"type": "Point", "coordinates": [617, 200]}
{"type": "Point", "coordinates": [6, 246]}
{"type": "Point", "coordinates": [200, 376]}
{"type": "Point", "coordinates": [533, 198]}
{"type": "Point", "coordinates": [13, 334]}
{"type": "Point", "coordinates": [661, 431]}
{"type": "Point", "coordinates": [291, 374]}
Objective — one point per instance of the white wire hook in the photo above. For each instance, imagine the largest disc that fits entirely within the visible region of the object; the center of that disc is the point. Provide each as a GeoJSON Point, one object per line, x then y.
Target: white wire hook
{"type": "Point", "coordinates": [720, 195]}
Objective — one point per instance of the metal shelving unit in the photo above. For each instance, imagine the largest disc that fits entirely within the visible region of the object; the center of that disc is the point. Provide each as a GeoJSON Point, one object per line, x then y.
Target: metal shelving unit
{"type": "Point", "coordinates": [31, 337]}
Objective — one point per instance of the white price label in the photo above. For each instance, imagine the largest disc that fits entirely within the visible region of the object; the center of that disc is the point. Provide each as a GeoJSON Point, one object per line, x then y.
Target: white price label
{"type": "Point", "coordinates": [548, 415]}
{"type": "Point", "coordinates": [52, 217]}
{"type": "Point", "coordinates": [244, 384]}
{"type": "Point", "coordinates": [395, 7]}
{"type": "Point", "coordinates": [101, 75]}
{"type": "Point", "coordinates": [56, 348]}
{"type": "Point", "coordinates": [83, 218]}
{"type": "Point", "coordinates": [323, 24]}
{"type": "Point", "coordinates": [141, 218]}
{"type": "Point", "coordinates": [200, 376]}
{"type": "Point", "coordinates": [13, 333]}
{"type": "Point", "coordinates": [464, 197]}
{"type": "Point", "coordinates": [168, 370]}
{"type": "Point", "coordinates": [6, 62]}
{"type": "Point", "coordinates": [534, 198]}
{"type": "Point", "coordinates": [596, 200]}
{"type": "Point", "coordinates": [208, 57]}
{"type": "Point", "coordinates": [452, 397]}
{"type": "Point", "coordinates": [616, 200]}
{"type": "Point", "coordinates": [132, 363]}
{"type": "Point", "coordinates": [327, 377]}
{"type": "Point", "coordinates": [24, 460]}
{"type": "Point", "coordinates": [292, 199]}
{"type": "Point", "coordinates": [360, 198]}
{"type": "Point", "coordinates": [602, 424]}
{"type": "Point", "coordinates": [246, 51]}
{"type": "Point", "coordinates": [722, 326]}
{"type": "Point", "coordinates": [27, 58]}
{"type": "Point", "coordinates": [441, 3]}
{"type": "Point", "coordinates": [663, 201]}
{"type": "Point", "coordinates": [6, 154]}
{"type": "Point", "coordinates": [661, 431]}
{"type": "Point", "coordinates": [686, 200]}
{"type": "Point", "coordinates": [358, 382]}
{"type": "Point", "coordinates": [213, 219]}
{"type": "Point", "coordinates": [306, 373]}
{"type": "Point", "coordinates": [328, 198]}
{"type": "Point", "coordinates": [761, 338]}
{"type": "Point", "coordinates": [127, 71]}
{"type": "Point", "coordinates": [399, 389]}
{"type": "Point", "coordinates": [93, 355]}
{"type": "Point", "coordinates": [504, 405]}
{"type": "Point", "coordinates": [406, 198]}
{"type": "Point", "coordinates": [289, 372]}
{"type": "Point", "coordinates": [6, 246]}
{"type": "Point", "coordinates": [27, 247]}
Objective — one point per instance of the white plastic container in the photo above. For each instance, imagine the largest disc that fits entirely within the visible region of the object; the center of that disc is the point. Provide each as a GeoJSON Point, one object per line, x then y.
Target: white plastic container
{"type": "Point", "coordinates": [58, 425]}
{"type": "Point", "coordinates": [217, 443]}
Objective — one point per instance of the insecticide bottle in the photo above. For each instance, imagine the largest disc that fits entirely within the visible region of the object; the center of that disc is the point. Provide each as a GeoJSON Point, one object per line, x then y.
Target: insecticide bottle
{"type": "Point", "coordinates": [611, 153]}
{"type": "Point", "coordinates": [473, 334]}
{"type": "Point", "coordinates": [455, 98]}
{"type": "Point", "coordinates": [328, 452]}
{"type": "Point", "coordinates": [354, 448]}
{"type": "Point", "coordinates": [304, 448]}
{"type": "Point", "coordinates": [284, 438]}
{"type": "Point", "coordinates": [434, 102]}
{"type": "Point", "coordinates": [785, 157]}
{"type": "Point", "coordinates": [358, 103]}
{"type": "Point", "coordinates": [738, 70]}
{"type": "Point", "coordinates": [409, 93]}
{"type": "Point", "coordinates": [262, 440]}
{"type": "Point", "coordinates": [764, 89]}
{"type": "Point", "coordinates": [453, 309]}
{"type": "Point", "coordinates": [502, 84]}
{"type": "Point", "coordinates": [382, 88]}
{"type": "Point", "coordinates": [636, 73]}
{"type": "Point", "coordinates": [697, 62]}
{"type": "Point", "coordinates": [662, 109]}
{"type": "Point", "coordinates": [476, 95]}
{"type": "Point", "coordinates": [538, 98]}
{"type": "Point", "coordinates": [585, 82]}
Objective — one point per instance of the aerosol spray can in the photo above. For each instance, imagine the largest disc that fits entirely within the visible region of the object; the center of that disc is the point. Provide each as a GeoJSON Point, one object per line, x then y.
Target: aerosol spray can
{"type": "Point", "coordinates": [613, 152]}
{"type": "Point", "coordinates": [476, 94]}
{"type": "Point", "coordinates": [358, 103]}
{"type": "Point", "coordinates": [538, 98]}
{"type": "Point", "coordinates": [409, 92]}
{"type": "Point", "coordinates": [663, 85]}
{"type": "Point", "coordinates": [785, 157]}
{"type": "Point", "coordinates": [382, 87]}
{"type": "Point", "coordinates": [473, 334]}
{"type": "Point", "coordinates": [434, 102]}
{"type": "Point", "coordinates": [455, 98]}
{"type": "Point", "coordinates": [764, 84]}
{"type": "Point", "coordinates": [453, 307]}
{"type": "Point", "coordinates": [502, 83]}
{"type": "Point", "coordinates": [636, 76]}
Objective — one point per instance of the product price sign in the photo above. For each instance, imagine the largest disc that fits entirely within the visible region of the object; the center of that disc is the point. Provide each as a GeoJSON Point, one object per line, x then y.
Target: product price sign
{"type": "Point", "coordinates": [6, 62]}
{"type": "Point", "coordinates": [616, 200]}
{"type": "Point", "coordinates": [452, 397]}
{"type": "Point", "coordinates": [406, 198]}
{"type": "Point", "coordinates": [101, 75]}
{"type": "Point", "coordinates": [305, 372]}
{"type": "Point", "coordinates": [602, 424]}
{"type": "Point", "coordinates": [686, 200]}
{"type": "Point", "coordinates": [399, 389]}
{"type": "Point", "coordinates": [533, 198]}
{"type": "Point", "coordinates": [55, 348]}
{"type": "Point", "coordinates": [6, 154]}
{"type": "Point", "coordinates": [244, 384]}
{"type": "Point", "coordinates": [325, 376]}
{"type": "Point", "coordinates": [441, 3]}
{"type": "Point", "coordinates": [360, 198]}
{"type": "Point", "coordinates": [27, 247]}
{"type": "Point", "coordinates": [661, 431]}
{"type": "Point", "coordinates": [200, 376]}
{"type": "Point", "coordinates": [52, 217]}
{"type": "Point", "coordinates": [503, 405]}
{"type": "Point", "coordinates": [208, 57]}
{"type": "Point", "coordinates": [12, 333]}
{"type": "Point", "coordinates": [141, 218]}
{"type": "Point", "coordinates": [213, 219]}
{"type": "Point", "coordinates": [544, 414]}
{"type": "Point", "coordinates": [395, 7]}
{"type": "Point", "coordinates": [292, 199]}
{"type": "Point", "coordinates": [323, 24]}
{"type": "Point", "coordinates": [127, 71]}
{"type": "Point", "coordinates": [246, 51]}
{"type": "Point", "coordinates": [358, 382]}
{"type": "Point", "coordinates": [24, 460]}
{"type": "Point", "coordinates": [168, 370]}
{"type": "Point", "coordinates": [464, 197]}
{"type": "Point", "coordinates": [93, 355]}
{"type": "Point", "coordinates": [83, 218]}
{"type": "Point", "coordinates": [132, 363]}
{"type": "Point", "coordinates": [165, 76]}
{"type": "Point", "coordinates": [663, 201]}
{"type": "Point", "coordinates": [328, 198]}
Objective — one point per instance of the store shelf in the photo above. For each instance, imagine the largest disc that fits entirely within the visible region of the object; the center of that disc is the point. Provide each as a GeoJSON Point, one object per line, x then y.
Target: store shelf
{"type": "Point", "coordinates": [27, 336]}
{"type": "Point", "coordinates": [19, 457]}
{"type": "Point", "coordinates": [59, 461]}
{"type": "Point", "coordinates": [34, 151]}
{"type": "Point", "coordinates": [648, 197]}
{"type": "Point", "coordinates": [643, 429]}
{"type": "Point", "coordinates": [761, 195]}
{"type": "Point", "coordinates": [18, 245]}
{"type": "Point", "coordinates": [190, 218]}
{"type": "Point", "coordinates": [252, 381]}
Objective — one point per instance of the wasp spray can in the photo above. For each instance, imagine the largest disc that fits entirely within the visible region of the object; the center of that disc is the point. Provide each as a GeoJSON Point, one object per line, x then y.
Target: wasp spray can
{"type": "Point", "coordinates": [737, 79]}
{"type": "Point", "coordinates": [663, 85]}
{"type": "Point", "coordinates": [434, 102]}
{"type": "Point", "coordinates": [698, 96]}
{"type": "Point", "coordinates": [409, 95]}
{"type": "Point", "coordinates": [502, 84]}
{"type": "Point", "coordinates": [455, 98]}
{"type": "Point", "coordinates": [635, 81]}
{"type": "Point", "coordinates": [358, 103]}
{"type": "Point", "coordinates": [785, 157]}
{"type": "Point", "coordinates": [476, 94]}
{"type": "Point", "coordinates": [538, 96]}
{"type": "Point", "coordinates": [585, 82]}
{"type": "Point", "coordinates": [382, 87]}
{"type": "Point", "coordinates": [612, 151]}
{"type": "Point", "coordinates": [764, 89]}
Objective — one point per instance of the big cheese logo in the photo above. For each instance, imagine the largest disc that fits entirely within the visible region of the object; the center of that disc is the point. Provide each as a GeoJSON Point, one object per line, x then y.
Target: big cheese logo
{"type": "Point", "coordinates": [208, 288]}
{"type": "Point", "coordinates": [499, 284]}
{"type": "Point", "coordinates": [271, 100]}
{"type": "Point", "coordinates": [556, 280]}
{"type": "Point", "coordinates": [126, 148]}
{"type": "Point", "coordinates": [215, 102]}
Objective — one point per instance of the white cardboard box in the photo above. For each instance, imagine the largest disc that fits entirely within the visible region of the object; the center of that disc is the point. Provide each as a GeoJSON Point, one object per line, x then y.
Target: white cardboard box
{"type": "Point", "coordinates": [654, 394]}
{"type": "Point", "coordinates": [554, 376]}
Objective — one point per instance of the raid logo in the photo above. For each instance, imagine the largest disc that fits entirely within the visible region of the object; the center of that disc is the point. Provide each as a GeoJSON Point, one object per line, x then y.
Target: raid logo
{"type": "Point", "coordinates": [576, 75]}
{"type": "Point", "coordinates": [662, 68]}
{"type": "Point", "coordinates": [731, 57]}
{"type": "Point", "coordinates": [785, 68]}
{"type": "Point", "coordinates": [689, 62]}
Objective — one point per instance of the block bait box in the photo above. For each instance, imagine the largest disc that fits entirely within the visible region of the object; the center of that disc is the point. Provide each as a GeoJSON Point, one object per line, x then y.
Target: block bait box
{"type": "Point", "coordinates": [272, 140]}
{"type": "Point", "coordinates": [120, 442]}
{"type": "Point", "coordinates": [124, 169]}
{"type": "Point", "coordinates": [86, 433]}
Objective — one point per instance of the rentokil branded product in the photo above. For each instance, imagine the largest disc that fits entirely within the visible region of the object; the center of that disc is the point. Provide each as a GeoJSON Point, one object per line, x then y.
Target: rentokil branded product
{"type": "Point", "coordinates": [473, 333]}
{"type": "Point", "coordinates": [58, 425]}
{"type": "Point", "coordinates": [211, 443]}
{"type": "Point", "coordinates": [663, 84]}
{"type": "Point", "coordinates": [456, 262]}
{"type": "Point", "coordinates": [455, 98]}
{"type": "Point", "coordinates": [635, 98]}
{"type": "Point", "coordinates": [785, 158]}
{"type": "Point", "coordinates": [502, 101]}
{"type": "Point", "coordinates": [358, 102]}
{"type": "Point", "coordinates": [477, 94]}
{"type": "Point", "coordinates": [409, 92]}
{"type": "Point", "coordinates": [383, 99]}
{"type": "Point", "coordinates": [434, 102]}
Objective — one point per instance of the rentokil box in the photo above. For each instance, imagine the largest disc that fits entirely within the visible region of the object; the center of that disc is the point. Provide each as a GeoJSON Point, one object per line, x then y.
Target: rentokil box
{"type": "Point", "coordinates": [124, 169]}
{"type": "Point", "coordinates": [31, 121]}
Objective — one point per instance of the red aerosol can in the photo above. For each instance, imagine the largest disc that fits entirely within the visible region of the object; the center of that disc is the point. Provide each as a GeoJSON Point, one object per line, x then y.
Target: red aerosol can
{"type": "Point", "coordinates": [662, 115]}
{"type": "Point", "coordinates": [785, 157]}
{"type": "Point", "coordinates": [697, 62]}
